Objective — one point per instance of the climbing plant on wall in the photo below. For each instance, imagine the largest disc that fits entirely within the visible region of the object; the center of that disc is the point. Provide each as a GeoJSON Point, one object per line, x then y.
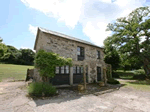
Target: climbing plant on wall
{"type": "Point", "coordinates": [47, 61]}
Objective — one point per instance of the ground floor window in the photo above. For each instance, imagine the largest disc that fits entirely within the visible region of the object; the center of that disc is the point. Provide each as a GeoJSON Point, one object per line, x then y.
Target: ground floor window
{"type": "Point", "coordinates": [62, 70]}
{"type": "Point", "coordinates": [77, 70]}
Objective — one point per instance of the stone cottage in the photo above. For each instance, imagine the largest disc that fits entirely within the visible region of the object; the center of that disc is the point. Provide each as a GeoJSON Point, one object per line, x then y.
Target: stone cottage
{"type": "Point", "coordinates": [81, 52]}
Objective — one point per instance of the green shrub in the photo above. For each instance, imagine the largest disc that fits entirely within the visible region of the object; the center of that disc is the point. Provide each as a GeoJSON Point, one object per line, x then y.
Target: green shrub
{"type": "Point", "coordinates": [112, 81]}
{"type": "Point", "coordinates": [115, 75]}
{"type": "Point", "coordinates": [139, 77]}
{"type": "Point", "coordinates": [39, 89]}
{"type": "Point", "coordinates": [139, 72]}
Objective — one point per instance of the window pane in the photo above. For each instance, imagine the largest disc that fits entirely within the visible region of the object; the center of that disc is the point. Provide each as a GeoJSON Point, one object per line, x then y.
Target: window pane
{"type": "Point", "coordinates": [67, 69]}
{"type": "Point", "coordinates": [78, 53]}
{"type": "Point", "coordinates": [98, 54]}
{"type": "Point", "coordinates": [62, 70]}
{"type": "Point", "coordinates": [78, 49]}
{"type": "Point", "coordinates": [82, 51]}
{"type": "Point", "coordinates": [74, 69]}
{"type": "Point", "coordinates": [78, 69]}
{"type": "Point", "coordinates": [81, 69]}
{"type": "Point", "coordinates": [57, 70]}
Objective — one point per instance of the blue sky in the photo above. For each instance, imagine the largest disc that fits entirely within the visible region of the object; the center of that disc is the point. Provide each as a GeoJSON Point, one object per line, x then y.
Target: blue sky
{"type": "Point", "coordinates": [82, 19]}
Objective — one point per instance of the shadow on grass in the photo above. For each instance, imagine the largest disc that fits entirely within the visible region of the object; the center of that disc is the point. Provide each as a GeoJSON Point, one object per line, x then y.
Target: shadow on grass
{"type": "Point", "coordinates": [72, 93]}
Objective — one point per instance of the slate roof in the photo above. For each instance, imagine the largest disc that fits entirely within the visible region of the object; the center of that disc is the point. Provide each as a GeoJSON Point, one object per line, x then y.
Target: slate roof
{"type": "Point", "coordinates": [68, 37]}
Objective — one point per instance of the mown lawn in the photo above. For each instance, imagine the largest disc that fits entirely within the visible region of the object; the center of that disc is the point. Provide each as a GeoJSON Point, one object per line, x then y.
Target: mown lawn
{"type": "Point", "coordinates": [139, 85]}
{"type": "Point", "coordinates": [16, 72]}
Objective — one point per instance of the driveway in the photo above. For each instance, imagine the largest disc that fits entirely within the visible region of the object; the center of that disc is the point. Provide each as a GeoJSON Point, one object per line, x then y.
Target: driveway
{"type": "Point", "coordinates": [13, 99]}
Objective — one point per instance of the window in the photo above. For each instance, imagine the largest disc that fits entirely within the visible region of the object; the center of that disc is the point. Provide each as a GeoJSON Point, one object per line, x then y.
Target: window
{"type": "Point", "coordinates": [62, 70]}
{"type": "Point", "coordinates": [74, 69]}
{"type": "Point", "coordinates": [80, 53]}
{"type": "Point", "coordinates": [57, 70]}
{"type": "Point", "coordinates": [67, 70]}
{"type": "Point", "coordinates": [77, 70]}
{"type": "Point", "coordinates": [78, 50]}
{"type": "Point", "coordinates": [81, 69]}
{"type": "Point", "coordinates": [98, 54]}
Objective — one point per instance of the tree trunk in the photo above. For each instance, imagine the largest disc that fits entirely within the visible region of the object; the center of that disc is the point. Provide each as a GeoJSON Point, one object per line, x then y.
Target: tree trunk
{"type": "Point", "coordinates": [45, 79]}
{"type": "Point", "coordinates": [146, 66]}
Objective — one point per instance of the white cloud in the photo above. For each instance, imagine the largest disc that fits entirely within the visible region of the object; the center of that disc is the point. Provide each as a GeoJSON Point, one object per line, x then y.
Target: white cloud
{"type": "Point", "coordinates": [33, 29]}
{"type": "Point", "coordinates": [22, 47]}
{"type": "Point", "coordinates": [93, 15]}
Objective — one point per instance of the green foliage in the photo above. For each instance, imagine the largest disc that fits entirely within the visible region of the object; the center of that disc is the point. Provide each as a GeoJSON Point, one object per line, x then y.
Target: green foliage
{"type": "Point", "coordinates": [27, 56]}
{"type": "Point", "coordinates": [46, 62]}
{"type": "Point", "coordinates": [115, 75]}
{"type": "Point", "coordinates": [15, 56]}
{"type": "Point", "coordinates": [1, 40]}
{"type": "Point", "coordinates": [127, 35]}
{"type": "Point", "coordinates": [111, 55]}
{"type": "Point", "coordinates": [139, 72]}
{"type": "Point", "coordinates": [112, 81]}
{"type": "Point", "coordinates": [3, 50]}
{"type": "Point", "coordinates": [12, 55]}
{"type": "Point", "coordinates": [41, 89]}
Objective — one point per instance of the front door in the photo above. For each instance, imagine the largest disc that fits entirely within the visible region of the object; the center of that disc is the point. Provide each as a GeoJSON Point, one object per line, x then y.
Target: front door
{"type": "Point", "coordinates": [98, 73]}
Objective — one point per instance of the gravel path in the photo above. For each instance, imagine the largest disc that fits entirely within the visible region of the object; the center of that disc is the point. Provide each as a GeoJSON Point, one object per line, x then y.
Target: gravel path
{"type": "Point", "coordinates": [13, 99]}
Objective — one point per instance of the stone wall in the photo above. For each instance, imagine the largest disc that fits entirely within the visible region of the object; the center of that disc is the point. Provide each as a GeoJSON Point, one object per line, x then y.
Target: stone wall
{"type": "Point", "coordinates": [68, 49]}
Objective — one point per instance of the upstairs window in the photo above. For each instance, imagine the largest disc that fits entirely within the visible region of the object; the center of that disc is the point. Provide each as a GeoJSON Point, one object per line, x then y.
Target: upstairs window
{"type": "Point", "coordinates": [98, 54]}
{"type": "Point", "coordinates": [80, 53]}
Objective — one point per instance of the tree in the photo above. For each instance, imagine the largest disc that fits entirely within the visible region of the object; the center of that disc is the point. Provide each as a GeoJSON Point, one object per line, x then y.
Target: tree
{"type": "Point", "coordinates": [12, 55]}
{"type": "Point", "coordinates": [3, 48]}
{"type": "Point", "coordinates": [46, 62]}
{"type": "Point", "coordinates": [27, 56]}
{"type": "Point", "coordinates": [1, 40]}
{"type": "Point", "coordinates": [111, 55]}
{"type": "Point", "coordinates": [128, 33]}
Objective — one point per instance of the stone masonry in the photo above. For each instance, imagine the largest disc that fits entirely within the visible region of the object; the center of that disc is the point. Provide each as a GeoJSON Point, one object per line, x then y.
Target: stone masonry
{"type": "Point", "coordinates": [68, 48]}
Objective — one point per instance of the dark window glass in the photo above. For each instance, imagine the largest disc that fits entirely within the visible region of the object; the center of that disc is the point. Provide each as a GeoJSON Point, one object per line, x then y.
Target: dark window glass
{"type": "Point", "coordinates": [81, 69]}
{"type": "Point", "coordinates": [98, 54]}
{"type": "Point", "coordinates": [99, 70]}
{"type": "Point", "coordinates": [80, 53]}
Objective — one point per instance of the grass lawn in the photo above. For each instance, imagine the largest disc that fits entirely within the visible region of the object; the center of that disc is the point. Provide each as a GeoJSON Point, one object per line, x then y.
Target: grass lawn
{"type": "Point", "coordinates": [134, 79]}
{"type": "Point", "coordinates": [139, 85]}
{"type": "Point", "coordinates": [17, 72]}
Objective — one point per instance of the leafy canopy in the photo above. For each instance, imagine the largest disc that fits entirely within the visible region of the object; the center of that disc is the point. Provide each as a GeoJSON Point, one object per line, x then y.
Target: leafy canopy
{"type": "Point", "coordinates": [131, 36]}
{"type": "Point", "coordinates": [47, 61]}
{"type": "Point", "coordinates": [111, 55]}
{"type": "Point", "coordinates": [3, 48]}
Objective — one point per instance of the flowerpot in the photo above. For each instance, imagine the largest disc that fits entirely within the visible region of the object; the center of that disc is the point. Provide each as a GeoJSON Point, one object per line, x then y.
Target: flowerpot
{"type": "Point", "coordinates": [101, 83]}
{"type": "Point", "coordinates": [80, 87]}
